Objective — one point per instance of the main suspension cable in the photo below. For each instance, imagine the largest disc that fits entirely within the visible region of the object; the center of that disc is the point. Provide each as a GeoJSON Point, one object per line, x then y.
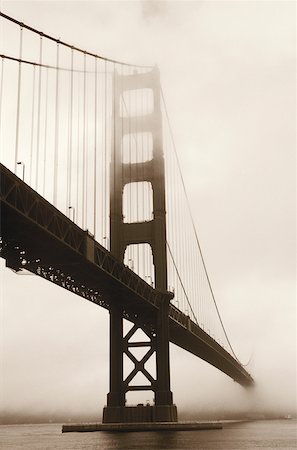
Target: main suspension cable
{"type": "Point", "coordinates": [65, 44]}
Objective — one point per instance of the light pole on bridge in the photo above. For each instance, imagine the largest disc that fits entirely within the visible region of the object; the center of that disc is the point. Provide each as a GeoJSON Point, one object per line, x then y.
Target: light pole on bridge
{"type": "Point", "coordinates": [21, 163]}
{"type": "Point", "coordinates": [73, 212]}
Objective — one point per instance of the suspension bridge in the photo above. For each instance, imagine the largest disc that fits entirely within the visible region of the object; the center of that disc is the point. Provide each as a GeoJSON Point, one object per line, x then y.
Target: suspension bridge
{"type": "Point", "coordinates": [93, 200]}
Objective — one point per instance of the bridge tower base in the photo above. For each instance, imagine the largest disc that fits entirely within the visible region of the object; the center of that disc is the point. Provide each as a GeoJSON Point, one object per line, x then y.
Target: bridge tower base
{"type": "Point", "coordinates": [156, 344]}
{"type": "Point", "coordinates": [139, 414]}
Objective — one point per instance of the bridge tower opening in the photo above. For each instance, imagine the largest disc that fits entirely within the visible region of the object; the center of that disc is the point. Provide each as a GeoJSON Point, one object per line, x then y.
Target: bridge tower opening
{"type": "Point", "coordinates": [124, 233]}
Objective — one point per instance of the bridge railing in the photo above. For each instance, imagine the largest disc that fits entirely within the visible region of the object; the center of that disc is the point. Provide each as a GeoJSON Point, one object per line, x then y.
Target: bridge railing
{"type": "Point", "coordinates": [17, 196]}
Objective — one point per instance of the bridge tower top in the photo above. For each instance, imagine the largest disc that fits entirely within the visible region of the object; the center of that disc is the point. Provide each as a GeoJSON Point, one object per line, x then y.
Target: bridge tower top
{"type": "Point", "coordinates": [138, 170]}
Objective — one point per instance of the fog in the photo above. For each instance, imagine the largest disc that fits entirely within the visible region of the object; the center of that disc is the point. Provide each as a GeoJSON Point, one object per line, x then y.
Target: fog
{"type": "Point", "coordinates": [229, 79]}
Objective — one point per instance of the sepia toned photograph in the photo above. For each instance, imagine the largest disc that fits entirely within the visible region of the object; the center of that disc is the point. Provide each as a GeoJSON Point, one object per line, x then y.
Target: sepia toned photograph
{"type": "Point", "coordinates": [148, 225]}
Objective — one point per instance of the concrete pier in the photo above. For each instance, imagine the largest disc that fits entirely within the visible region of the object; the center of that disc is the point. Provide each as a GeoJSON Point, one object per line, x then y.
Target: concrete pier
{"type": "Point", "coordinates": [144, 426]}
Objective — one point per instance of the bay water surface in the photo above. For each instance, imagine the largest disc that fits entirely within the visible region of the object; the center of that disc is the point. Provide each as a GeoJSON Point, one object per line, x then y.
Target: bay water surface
{"type": "Point", "coordinates": [251, 435]}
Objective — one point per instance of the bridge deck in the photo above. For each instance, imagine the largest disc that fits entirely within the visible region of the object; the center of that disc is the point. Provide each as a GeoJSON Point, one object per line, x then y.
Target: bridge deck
{"type": "Point", "coordinates": [58, 250]}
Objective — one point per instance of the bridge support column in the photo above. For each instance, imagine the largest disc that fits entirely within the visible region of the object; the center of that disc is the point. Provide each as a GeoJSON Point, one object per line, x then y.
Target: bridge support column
{"type": "Point", "coordinates": [116, 396]}
{"type": "Point", "coordinates": [158, 342]}
{"type": "Point", "coordinates": [165, 410]}
{"type": "Point", "coordinates": [137, 232]}
{"type": "Point", "coordinates": [163, 394]}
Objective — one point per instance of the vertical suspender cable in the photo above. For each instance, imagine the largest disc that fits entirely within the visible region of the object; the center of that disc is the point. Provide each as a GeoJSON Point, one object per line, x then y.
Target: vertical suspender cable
{"type": "Point", "coordinates": [105, 167]}
{"type": "Point", "coordinates": [95, 147]}
{"type": "Point", "coordinates": [119, 132]}
{"type": "Point", "coordinates": [187, 259]}
{"type": "Point", "coordinates": [121, 143]}
{"type": "Point", "coordinates": [18, 101]}
{"type": "Point", "coordinates": [87, 155]}
{"type": "Point", "coordinates": [56, 130]}
{"type": "Point", "coordinates": [38, 112]}
{"type": "Point", "coordinates": [77, 151]}
{"type": "Point", "coordinates": [70, 130]}
{"type": "Point", "coordinates": [136, 100]}
{"type": "Point", "coordinates": [142, 159]}
{"type": "Point", "coordinates": [45, 131]}
{"type": "Point", "coordinates": [84, 147]}
{"type": "Point", "coordinates": [114, 150]}
{"type": "Point", "coordinates": [127, 106]}
{"type": "Point", "coordinates": [32, 124]}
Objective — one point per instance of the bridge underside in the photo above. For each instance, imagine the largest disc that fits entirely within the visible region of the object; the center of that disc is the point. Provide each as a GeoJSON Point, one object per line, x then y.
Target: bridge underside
{"type": "Point", "coordinates": [57, 250]}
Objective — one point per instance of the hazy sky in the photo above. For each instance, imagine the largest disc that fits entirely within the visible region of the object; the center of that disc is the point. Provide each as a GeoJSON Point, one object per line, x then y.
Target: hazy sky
{"type": "Point", "coordinates": [229, 78]}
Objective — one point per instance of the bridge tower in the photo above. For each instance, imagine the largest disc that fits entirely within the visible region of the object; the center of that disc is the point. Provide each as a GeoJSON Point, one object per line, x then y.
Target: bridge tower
{"type": "Point", "coordinates": [152, 232]}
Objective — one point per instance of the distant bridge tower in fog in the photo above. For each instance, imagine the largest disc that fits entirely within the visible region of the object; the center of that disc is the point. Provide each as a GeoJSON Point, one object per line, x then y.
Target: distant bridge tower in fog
{"type": "Point", "coordinates": [93, 199]}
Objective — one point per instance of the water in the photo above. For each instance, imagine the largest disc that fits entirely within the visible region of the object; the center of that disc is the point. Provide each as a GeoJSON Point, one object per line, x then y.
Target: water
{"type": "Point", "coordinates": [268, 435]}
